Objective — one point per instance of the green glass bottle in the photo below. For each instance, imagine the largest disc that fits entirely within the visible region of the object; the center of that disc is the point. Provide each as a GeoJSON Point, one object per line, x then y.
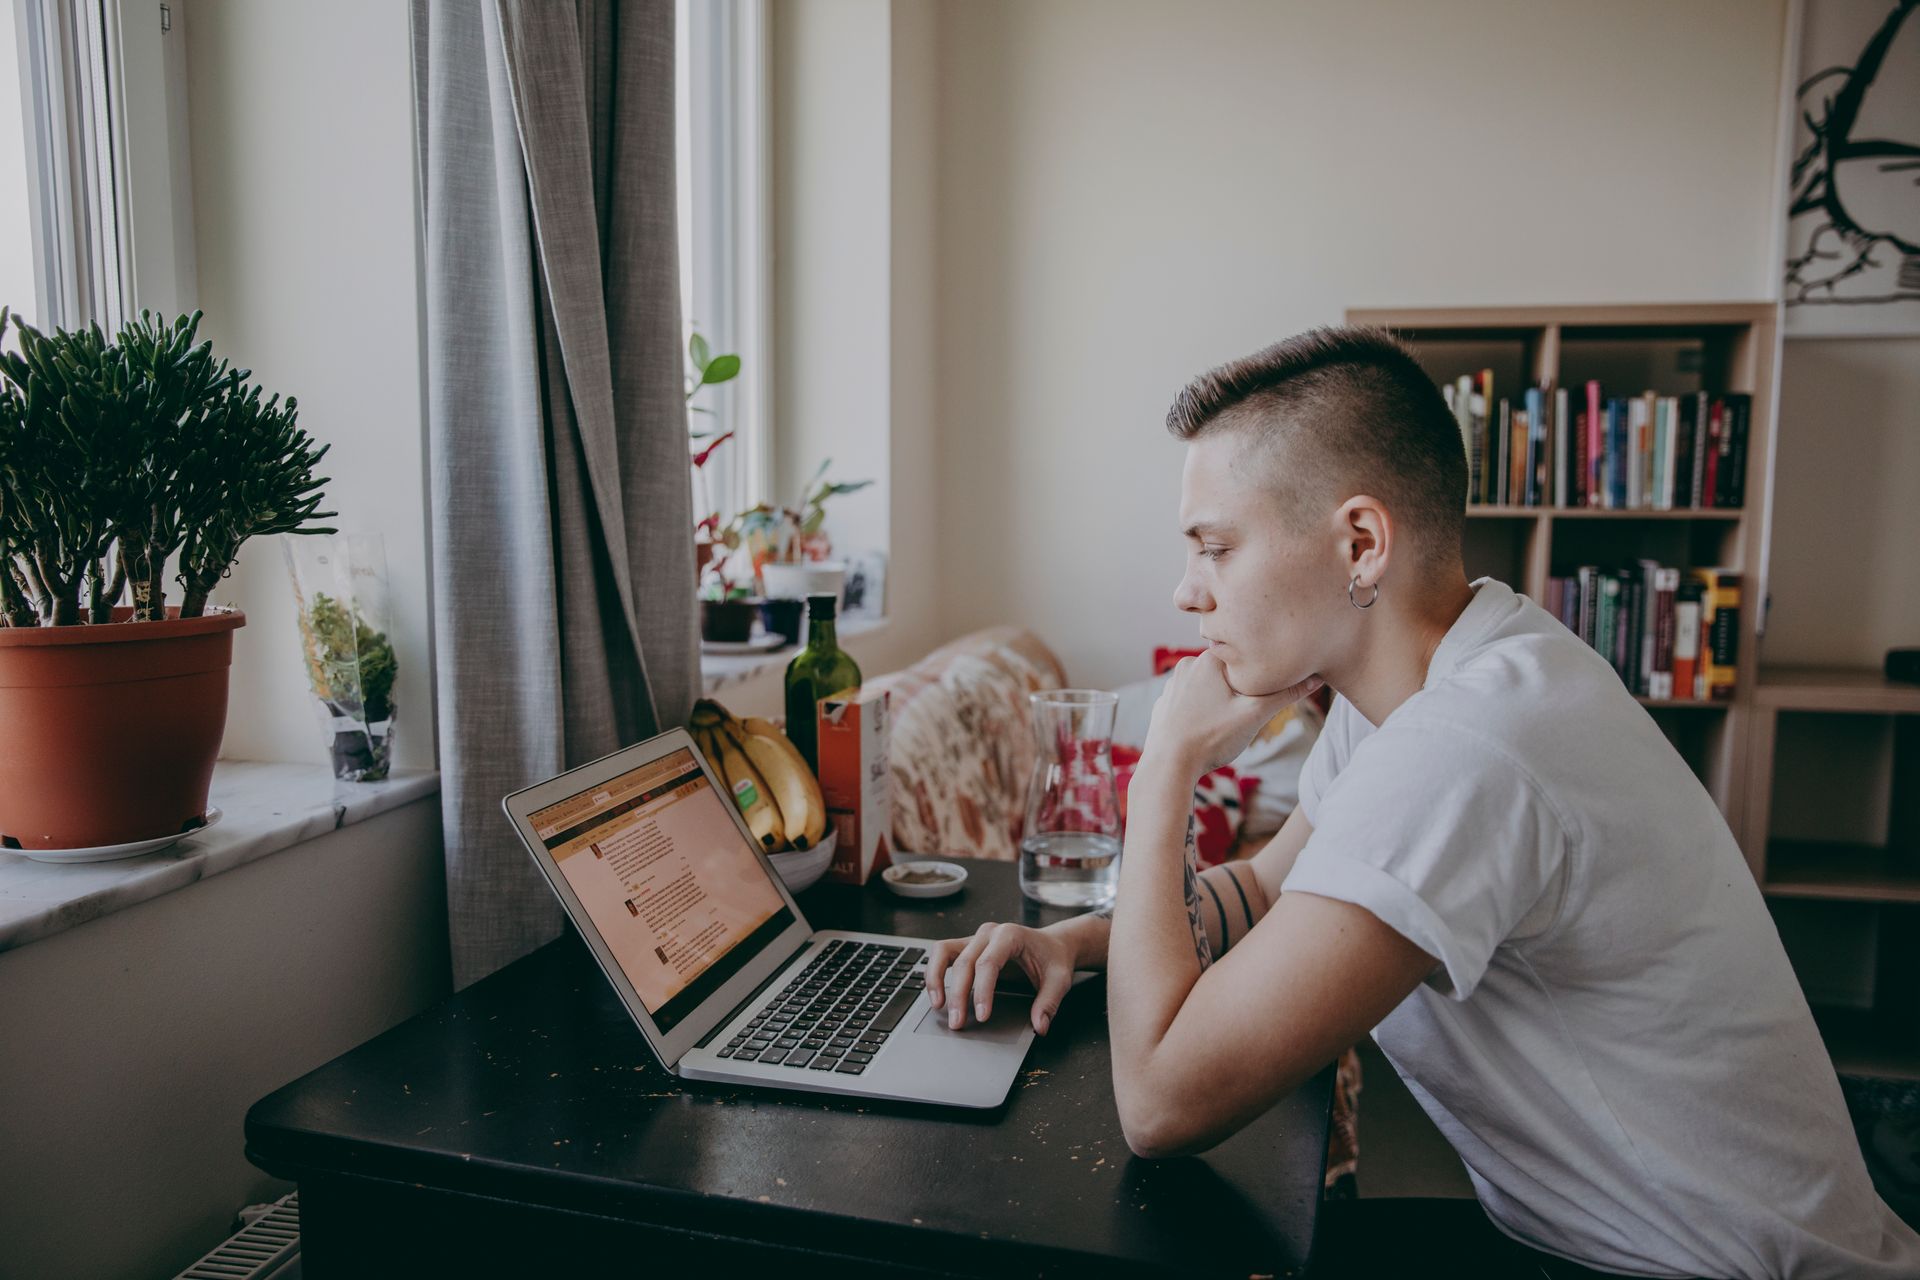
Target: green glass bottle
{"type": "Point", "coordinates": [818, 671]}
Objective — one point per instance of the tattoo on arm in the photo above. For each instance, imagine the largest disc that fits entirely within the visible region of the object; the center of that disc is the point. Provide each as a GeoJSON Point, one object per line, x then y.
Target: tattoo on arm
{"type": "Point", "coordinates": [1226, 930]}
{"type": "Point", "coordinates": [1201, 943]}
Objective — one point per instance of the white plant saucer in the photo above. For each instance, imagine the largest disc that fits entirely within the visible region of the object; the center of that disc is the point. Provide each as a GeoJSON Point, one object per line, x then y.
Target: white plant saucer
{"type": "Point", "coordinates": [109, 852]}
{"type": "Point", "coordinates": [764, 643]}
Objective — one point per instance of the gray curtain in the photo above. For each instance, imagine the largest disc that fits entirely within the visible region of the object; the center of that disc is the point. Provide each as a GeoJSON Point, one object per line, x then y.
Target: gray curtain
{"type": "Point", "coordinates": [562, 541]}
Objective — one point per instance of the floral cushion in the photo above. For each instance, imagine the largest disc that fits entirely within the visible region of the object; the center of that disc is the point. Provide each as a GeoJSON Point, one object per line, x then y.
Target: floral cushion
{"type": "Point", "coordinates": [962, 743]}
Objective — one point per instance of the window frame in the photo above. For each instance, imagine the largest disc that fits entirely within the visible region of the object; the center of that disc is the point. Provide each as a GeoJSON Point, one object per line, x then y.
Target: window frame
{"type": "Point", "coordinates": [731, 270]}
{"type": "Point", "coordinates": [103, 88]}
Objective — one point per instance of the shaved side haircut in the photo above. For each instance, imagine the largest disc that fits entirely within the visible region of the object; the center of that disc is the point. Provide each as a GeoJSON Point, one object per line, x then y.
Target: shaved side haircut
{"type": "Point", "coordinates": [1333, 412]}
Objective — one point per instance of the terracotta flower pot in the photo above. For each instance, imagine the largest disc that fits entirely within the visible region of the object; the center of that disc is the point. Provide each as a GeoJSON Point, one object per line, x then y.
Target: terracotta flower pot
{"type": "Point", "coordinates": [110, 730]}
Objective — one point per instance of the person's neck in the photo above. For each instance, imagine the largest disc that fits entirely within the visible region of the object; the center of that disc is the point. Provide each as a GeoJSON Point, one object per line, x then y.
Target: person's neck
{"type": "Point", "coordinates": [1389, 664]}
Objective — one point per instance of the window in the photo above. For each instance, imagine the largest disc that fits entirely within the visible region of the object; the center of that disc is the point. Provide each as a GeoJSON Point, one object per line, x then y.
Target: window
{"type": "Point", "coordinates": [17, 287]}
{"type": "Point", "coordinates": [95, 222]}
{"type": "Point", "coordinates": [724, 234]}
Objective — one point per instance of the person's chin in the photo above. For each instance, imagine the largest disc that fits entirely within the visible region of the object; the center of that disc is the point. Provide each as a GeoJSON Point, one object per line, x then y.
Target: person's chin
{"type": "Point", "coordinates": [1260, 684]}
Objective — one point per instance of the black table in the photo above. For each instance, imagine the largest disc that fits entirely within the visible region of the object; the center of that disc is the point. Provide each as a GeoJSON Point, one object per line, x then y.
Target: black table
{"type": "Point", "coordinates": [522, 1127]}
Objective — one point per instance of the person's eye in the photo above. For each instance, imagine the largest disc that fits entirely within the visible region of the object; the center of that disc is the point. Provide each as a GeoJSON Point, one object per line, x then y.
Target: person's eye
{"type": "Point", "coordinates": [1213, 553]}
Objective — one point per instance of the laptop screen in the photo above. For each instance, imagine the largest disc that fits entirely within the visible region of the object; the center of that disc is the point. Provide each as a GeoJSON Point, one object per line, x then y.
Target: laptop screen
{"type": "Point", "coordinates": [677, 894]}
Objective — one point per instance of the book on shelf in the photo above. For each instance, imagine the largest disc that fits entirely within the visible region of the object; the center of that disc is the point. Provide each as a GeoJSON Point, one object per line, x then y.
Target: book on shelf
{"type": "Point", "coordinates": [1719, 631]}
{"type": "Point", "coordinates": [1686, 638]}
{"type": "Point", "coordinates": [1503, 461]}
{"type": "Point", "coordinates": [1563, 451]}
{"type": "Point", "coordinates": [1660, 682]}
{"type": "Point", "coordinates": [1636, 446]}
{"type": "Point", "coordinates": [1488, 426]}
{"type": "Point", "coordinates": [1618, 434]}
{"type": "Point", "coordinates": [1646, 452]}
{"type": "Point", "coordinates": [1672, 635]}
{"type": "Point", "coordinates": [1459, 395]}
{"type": "Point", "coordinates": [1596, 469]}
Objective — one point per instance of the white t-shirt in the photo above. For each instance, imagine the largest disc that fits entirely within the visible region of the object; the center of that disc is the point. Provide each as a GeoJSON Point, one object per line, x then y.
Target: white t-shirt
{"type": "Point", "coordinates": [1613, 1040]}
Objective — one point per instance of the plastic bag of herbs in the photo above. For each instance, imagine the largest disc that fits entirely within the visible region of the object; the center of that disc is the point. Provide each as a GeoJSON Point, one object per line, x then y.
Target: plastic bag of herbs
{"type": "Point", "coordinates": [340, 589]}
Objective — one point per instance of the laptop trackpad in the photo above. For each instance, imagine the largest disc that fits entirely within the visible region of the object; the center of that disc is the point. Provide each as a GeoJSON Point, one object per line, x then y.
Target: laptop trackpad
{"type": "Point", "coordinates": [1009, 1022]}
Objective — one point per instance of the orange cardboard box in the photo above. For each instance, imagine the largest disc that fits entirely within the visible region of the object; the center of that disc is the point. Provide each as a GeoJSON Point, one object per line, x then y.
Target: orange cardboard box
{"type": "Point", "coordinates": [854, 731]}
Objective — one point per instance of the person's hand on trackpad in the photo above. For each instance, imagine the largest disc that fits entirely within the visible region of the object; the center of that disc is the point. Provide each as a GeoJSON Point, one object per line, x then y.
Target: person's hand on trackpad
{"type": "Point", "coordinates": [962, 973]}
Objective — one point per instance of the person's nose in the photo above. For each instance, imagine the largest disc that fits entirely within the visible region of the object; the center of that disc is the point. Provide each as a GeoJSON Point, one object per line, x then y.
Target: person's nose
{"type": "Point", "coordinates": [1190, 596]}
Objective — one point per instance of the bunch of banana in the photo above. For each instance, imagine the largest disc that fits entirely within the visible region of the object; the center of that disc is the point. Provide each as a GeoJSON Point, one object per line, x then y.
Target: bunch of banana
{"type": "Point", "coordinates": [777, 794]}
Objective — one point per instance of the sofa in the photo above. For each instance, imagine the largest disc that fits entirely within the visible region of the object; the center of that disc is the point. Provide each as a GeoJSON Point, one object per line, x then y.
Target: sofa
{"type": "Point", "coordinates": [963, 747]}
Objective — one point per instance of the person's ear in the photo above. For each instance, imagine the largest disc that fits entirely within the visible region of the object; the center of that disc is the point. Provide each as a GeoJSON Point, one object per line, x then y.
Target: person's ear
{"type": "Point", "coordinates": [1368, 533]}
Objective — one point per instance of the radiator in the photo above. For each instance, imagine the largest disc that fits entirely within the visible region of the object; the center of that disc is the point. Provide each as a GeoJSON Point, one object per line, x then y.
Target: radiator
{"type": "Point", "coordinates": [268, 1248]}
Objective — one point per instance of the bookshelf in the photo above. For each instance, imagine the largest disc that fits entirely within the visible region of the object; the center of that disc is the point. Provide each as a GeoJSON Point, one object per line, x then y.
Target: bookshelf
{"type": "Point", "coordinates": [1851, 738]}
{"type": "Point", "coordinates": [1675, 349]}
{"type": "Point", "coordinates": [1846, 737]}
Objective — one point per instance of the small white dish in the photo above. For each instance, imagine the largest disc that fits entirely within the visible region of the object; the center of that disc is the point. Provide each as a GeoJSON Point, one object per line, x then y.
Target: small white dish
{"type": "Point", "coordinates": [766, 642]}
{"type": "Point", "coordinates": [109, 852]}
{"type": "Point", "coordinates": [798, 869]}
{"type": "Point", "coordinates": [895, 876]}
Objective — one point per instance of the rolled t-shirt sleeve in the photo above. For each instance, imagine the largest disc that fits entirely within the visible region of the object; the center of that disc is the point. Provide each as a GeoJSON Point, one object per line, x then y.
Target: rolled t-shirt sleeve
{"type": "Point", "coordinates": [1442, 837]}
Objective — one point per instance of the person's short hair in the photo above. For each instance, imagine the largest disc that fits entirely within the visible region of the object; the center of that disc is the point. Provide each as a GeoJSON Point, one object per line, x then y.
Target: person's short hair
{"type": "Point", "coordinates": [1339, 411]}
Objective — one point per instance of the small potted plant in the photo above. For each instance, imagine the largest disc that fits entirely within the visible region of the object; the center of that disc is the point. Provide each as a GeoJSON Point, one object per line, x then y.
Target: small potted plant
{"type": "Point", "coordinates": [791, 546]}
{"type": "Point", "coordinates": [120, 460]}
{"type": "Point", "coordinates": [709, 370]}
{"type": "Point", "coordinates": [727, 603]}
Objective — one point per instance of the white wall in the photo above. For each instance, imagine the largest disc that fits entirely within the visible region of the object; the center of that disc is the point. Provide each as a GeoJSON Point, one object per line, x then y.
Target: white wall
{"type": "Point", "coordinates": [136, 1042]}
{"type": "Point", "coordinates": [1845, 525]}
{"type": "Point", "coordinates": [1129, 192]}
{"type": "Point", "coordinates": [304, 221]}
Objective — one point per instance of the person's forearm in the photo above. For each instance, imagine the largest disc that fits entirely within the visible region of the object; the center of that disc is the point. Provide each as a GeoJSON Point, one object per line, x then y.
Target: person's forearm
{"type": "Point", "coordinates": [1152, 958]}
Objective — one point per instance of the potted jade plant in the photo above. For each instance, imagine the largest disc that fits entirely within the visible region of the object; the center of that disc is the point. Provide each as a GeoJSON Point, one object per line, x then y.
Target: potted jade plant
{"type": "Point", "coordinates": [791, 549]}
{"type": "Point", "coordinates": [126, 465]}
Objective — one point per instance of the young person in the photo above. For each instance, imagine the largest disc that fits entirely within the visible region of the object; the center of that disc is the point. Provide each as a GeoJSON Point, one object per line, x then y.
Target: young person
{"type": "Point", "coordinates": [1499, 867]}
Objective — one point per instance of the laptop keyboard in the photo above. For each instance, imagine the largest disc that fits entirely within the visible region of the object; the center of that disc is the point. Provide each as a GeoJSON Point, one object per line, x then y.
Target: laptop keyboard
{"type": "Point", "coordinates": [836, 1013]}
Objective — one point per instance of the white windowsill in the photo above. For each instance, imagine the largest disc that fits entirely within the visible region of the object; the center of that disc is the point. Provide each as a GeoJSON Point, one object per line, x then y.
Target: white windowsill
{"type": "Point", "coordinates": [718, 671]}
{"type": "Point", "coordinates": [266, 808]}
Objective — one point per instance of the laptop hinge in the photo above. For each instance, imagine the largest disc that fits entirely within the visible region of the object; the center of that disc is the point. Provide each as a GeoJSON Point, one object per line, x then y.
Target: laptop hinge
{"type": "Point", "coordinates": [713, 1032]}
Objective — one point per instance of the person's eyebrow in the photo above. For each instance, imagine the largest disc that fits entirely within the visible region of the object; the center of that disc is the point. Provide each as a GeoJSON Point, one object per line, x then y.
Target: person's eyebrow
{"type": "Point", "coordinates": [1200, 529]}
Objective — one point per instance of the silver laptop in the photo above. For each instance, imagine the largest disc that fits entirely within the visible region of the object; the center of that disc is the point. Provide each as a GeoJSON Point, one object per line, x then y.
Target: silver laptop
{"type": "Point", "coordinates": [717, 964]}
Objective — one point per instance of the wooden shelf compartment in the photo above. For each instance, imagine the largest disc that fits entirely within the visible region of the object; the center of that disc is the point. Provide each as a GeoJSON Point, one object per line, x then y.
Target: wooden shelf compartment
{"type": "Point", "coordinates": [1662, 318]}
{"type": "Point", "coordinates": [1504, 511]}
{"type": "Point", "coordinates": [1835, 689]}
{"type": "Point", "coordinates": [1682, 544]}
{"type": "Point", "coordinates": [1668, 347]}
{"type": "Point", "coordinates": [1841, 872]}
{"type": "Point", "coordinates": [1863, 1043]}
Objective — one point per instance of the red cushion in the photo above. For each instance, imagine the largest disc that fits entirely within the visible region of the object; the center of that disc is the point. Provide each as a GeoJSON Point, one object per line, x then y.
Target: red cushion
{"type": "Point", "coordinates": [1166, 659]}
{"type": "Point", "coordinates": [1219, 804]}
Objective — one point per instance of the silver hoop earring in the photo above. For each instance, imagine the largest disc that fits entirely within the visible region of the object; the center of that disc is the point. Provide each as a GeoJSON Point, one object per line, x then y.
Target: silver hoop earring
{"type": "Point", "coordinates": [1355, 603]}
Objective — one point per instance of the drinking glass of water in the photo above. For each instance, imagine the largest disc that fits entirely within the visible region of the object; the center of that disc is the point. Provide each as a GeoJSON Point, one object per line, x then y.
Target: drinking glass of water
{"type": "Point", "coordinates": [1070, 844]}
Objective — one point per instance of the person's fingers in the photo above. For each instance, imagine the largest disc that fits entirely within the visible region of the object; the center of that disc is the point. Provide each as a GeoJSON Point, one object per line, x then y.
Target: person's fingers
{"type": "Point", "coordinates": [939, 956]}
{"type": "Point", "coordinates": [960, 976]}
{"type": "Point", "coordinates": [1000, 947]}
{"type": "Point", "coordinates": [1053, 989]}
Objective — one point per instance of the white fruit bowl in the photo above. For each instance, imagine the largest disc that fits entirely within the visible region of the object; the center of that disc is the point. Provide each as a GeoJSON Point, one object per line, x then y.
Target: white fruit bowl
{"type": "Point", "coordinates": [801, 869]}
